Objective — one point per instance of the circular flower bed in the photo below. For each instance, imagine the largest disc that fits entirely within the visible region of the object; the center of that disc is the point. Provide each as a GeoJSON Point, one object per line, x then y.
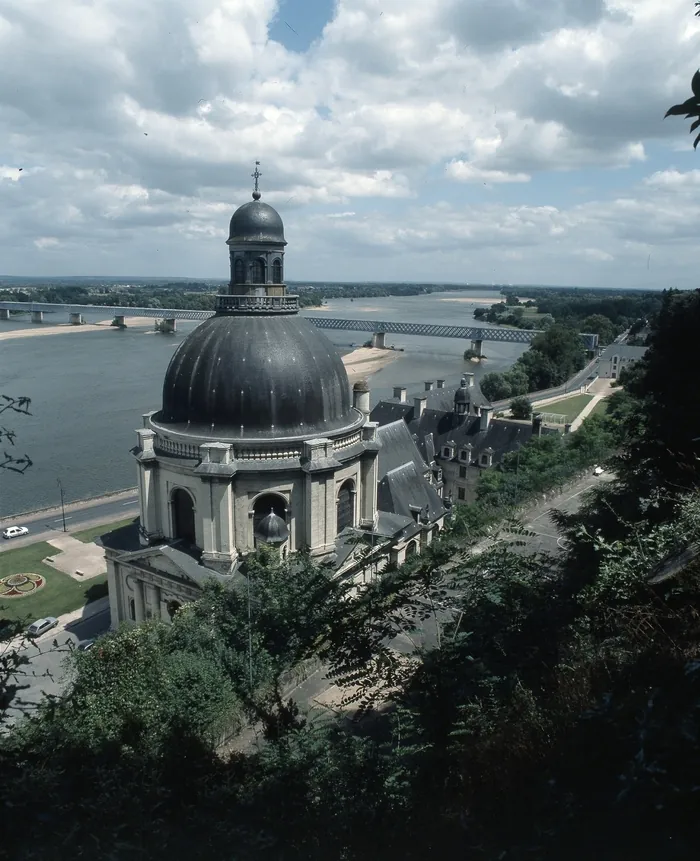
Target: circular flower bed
{"type": "Point", "coordinates": [19, 585]}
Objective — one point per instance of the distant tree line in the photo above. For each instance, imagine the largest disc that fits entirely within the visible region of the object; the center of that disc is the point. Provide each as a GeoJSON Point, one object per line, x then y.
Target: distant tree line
{"type": "Point", "coordinates": [602, 313]}
{"type": "Point", "coordinates": [201, 296]}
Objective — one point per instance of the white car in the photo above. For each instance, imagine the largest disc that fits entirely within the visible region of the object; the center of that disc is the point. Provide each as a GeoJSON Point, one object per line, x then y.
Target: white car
{"type": "Point", "coordinates": [15, 531]}
{"type": "Point", "coordinates": [598, 470]}
{"type": "Point", "coordinates": [41, 626]}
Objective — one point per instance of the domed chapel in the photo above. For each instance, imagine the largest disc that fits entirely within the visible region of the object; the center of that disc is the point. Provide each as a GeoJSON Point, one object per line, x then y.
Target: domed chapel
{"type": "Point", "coordinates": [260, 440]}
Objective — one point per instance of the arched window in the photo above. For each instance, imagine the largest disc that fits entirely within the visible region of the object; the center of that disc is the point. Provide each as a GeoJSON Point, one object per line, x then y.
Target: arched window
{"type": "Point", "coordinates": [345, 506]}
{"type": "Point", "coordinates": [257, 272]}
{"type": "Point", "coordinates": [277, 271]}
{"type": "Point", "coordinates": [238, 272]}
{"type": "Point", "coordinates": [265, 504]}
{"type": "Point", "coordinates": [412, 549]}
{"type": "Point", "coordinates": [183, 516]}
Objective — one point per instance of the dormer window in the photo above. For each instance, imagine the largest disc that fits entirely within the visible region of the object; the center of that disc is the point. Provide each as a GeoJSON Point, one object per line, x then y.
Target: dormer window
{"type": "Point", "coordinates": [464, 454]}
{"type": "Point", "coordinates": [447, 451]}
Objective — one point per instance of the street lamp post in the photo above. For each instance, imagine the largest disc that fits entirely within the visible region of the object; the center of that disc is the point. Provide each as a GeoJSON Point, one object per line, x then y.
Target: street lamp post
{"type": "Point", "coordinates": [63, 509]}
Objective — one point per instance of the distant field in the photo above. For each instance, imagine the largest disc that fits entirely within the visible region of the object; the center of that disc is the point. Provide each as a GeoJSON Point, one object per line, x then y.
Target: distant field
{"type": "Point", "coordinates": [569, 407]}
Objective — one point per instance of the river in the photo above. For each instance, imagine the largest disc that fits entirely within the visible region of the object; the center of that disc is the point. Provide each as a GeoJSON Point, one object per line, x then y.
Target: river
{"type": "Point", "coordinates": [89, 390]}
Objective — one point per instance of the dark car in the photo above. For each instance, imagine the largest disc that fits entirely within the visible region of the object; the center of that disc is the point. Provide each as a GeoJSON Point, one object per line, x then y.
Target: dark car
{"type": "Point", "coordinates": [85, 645]}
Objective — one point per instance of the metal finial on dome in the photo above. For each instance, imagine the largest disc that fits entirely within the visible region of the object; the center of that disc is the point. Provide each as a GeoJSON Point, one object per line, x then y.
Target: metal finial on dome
{"type": "Point", "coordinates": [463, 383]}
{"type": "Point", "coordinates": [256, 176]}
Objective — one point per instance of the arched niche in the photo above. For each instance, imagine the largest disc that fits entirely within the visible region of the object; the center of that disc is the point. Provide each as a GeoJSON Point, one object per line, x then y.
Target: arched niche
{"type": "Point", "coordinates": [266, 502]}
{"type": "Point", "coordinates": [345, 505]}
{"type": "Point", "coordinates": [182, 506]}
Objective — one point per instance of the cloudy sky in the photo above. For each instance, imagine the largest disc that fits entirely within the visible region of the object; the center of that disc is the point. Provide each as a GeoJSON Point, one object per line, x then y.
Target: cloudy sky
{"type": "Point", "coordinates": [513, 141]}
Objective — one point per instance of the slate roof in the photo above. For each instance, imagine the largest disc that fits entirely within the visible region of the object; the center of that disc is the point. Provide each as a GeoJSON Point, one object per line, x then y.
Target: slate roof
{"type": "Point", "coordinates": [624, 351]}
{"type": "Point", "coordinates": [435, 427]}
{"type": "Point", "coordinates": [437, 400]}
{"type": "Point", "coordinates": [397, 447]}
{"type": "Point", "coordinates": [404, 489]}
{"type": "Point", "coordinates": [502, 436]}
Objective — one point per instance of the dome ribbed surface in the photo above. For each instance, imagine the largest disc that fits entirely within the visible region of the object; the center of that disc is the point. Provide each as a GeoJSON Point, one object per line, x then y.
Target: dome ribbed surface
{"type": "Point", "coordinates": [256, 221]}
{"type": "Point", "coordinates": [272, 529]}
{"type": "Point", "coordinates": [257, 377]}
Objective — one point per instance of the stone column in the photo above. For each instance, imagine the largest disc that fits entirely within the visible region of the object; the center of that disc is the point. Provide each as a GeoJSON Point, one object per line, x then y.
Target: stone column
{"type": "Point", "coordinates": [379, 340]}
{"type": "Point", "coordinates": [148, 487]}
{"type": "Point", "coordinates": [119, 321]}
{"type": "Point", "coordinates": [476, 346]}
{"type": "Point", "coordinates": [139, 603]}
{"type": "Point", "coordinates": [218, 544]}
{"type": "Point", "coordinates": [4, 313]}
{"type": "Point", "coordinates": [37, 316]}
{"type": "Point", "coordinates": [114, 587]}
{"type": "Point", "coordinates": [75, 318]}
{"type": "Point", "coordinates": [368, 476]}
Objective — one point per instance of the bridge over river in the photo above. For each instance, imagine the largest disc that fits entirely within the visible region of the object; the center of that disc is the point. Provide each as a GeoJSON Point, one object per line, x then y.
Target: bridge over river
{"type": "Point", "coordinates": [379, 328]}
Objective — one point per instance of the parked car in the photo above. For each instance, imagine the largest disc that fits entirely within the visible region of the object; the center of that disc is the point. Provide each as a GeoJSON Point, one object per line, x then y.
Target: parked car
{"type": "Point", "coordinates": [85, 645]}
{"type": "Point", "coordinates": [598, 470]}
{"type": "Point", "coordinates": [41, 626]}
{"type": "Point", "coordinates": [15, 531]}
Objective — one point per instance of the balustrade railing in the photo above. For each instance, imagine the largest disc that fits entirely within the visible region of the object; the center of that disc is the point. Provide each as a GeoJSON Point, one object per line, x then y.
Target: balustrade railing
{"type": "Point", "coordinates": [257, 304]}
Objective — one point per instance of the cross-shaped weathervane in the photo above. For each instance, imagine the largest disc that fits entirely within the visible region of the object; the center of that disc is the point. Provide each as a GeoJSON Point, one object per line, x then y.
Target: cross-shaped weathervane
{"type": "Point", "coordinates": [256, 176]}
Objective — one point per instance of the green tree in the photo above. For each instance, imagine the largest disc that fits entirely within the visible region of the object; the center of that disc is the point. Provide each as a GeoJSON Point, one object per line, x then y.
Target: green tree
{"type": "Point", "coordinates": [495, 386]}
{"type": "Point", "coordinates": [521, 408]}
{"type": "Point", "coordinates": [666, 454]}
{"type": "Point", "coordinates": [597, 324]}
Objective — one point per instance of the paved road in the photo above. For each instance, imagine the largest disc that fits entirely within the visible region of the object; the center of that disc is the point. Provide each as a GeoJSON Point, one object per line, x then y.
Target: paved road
{"type": "Point", "coordinates": [46, 672]}
{"type": "Point", "coordinates": [79, 515]}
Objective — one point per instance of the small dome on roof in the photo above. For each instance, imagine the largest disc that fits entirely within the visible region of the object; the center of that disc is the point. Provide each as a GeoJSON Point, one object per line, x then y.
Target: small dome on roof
{"type": "Point", "coordinates": [462, 393]}
{"type": "Point", "coordinates": [256, 221]}
{"type": "Point", "coordinates": [272, 529]}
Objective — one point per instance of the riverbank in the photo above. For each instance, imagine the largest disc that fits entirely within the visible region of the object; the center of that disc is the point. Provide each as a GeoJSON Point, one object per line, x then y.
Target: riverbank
{"type": "Point", "coordinates": [363, 362]}
{"type": "Point", "coordinates": [65, 328]}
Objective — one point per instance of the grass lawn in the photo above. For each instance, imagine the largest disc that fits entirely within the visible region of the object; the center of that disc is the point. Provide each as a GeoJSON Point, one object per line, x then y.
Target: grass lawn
{"type": "Point", "coordinates": [569, 407]}
{"type": "Point", "coordinates": [600, 408]}
{"type": "Point", "coordinates": [60, 594]}
{"type": "Point", "coordinates": [89, 535]}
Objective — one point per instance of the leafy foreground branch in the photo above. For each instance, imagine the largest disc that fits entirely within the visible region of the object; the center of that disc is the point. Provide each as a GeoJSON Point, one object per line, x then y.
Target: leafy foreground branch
{"type": "Point", "coordinates": [7, 435]}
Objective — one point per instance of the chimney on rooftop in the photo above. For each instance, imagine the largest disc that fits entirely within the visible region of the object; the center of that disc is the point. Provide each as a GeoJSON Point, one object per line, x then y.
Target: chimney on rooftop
{"type": "Point", "coordinates": [470, 379]}
{"type": "Point", "coordinates": [485, 418]}
{"type": "Point", "coordinates": [400, 393]}
{"type": "Point", "coordinates": [441, 384]}
{"type": "Point", "coordinates": [419, 406]}
{"type": "Point", "coordinates": [429, 385]}
{"type": "Point", "coordinates": [360, 397]}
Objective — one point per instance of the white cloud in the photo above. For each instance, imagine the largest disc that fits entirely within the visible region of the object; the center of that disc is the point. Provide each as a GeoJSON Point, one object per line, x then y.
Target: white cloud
{"type": "Point", "coordinates": [46, 242]}
{"type": "Point", "coordinates": [136, 126]}
{"type": "Point", "coordinates": [467, 172]}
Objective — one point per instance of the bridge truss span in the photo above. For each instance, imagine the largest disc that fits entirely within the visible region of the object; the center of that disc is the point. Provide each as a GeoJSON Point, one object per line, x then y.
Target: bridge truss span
{"type": "Point", "coordinates": [434, 330]}
{"type": "Point", "coordinates": [475, 334]}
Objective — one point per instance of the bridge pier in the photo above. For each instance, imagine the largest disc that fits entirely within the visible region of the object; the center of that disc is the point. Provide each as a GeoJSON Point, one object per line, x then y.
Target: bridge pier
{"type": "Point", "coordinates": [168, 326]}
{"type": "Point", "coordinates": [75, 318]}
{"type": "Point", "coordinates": [37, 316]}
{"type": "Point", "coordinates": [4, 313]}
{"type": "Point", "coordinates": [379, 340]}
{"type": "Point", "coordinates": [119, 321]}
{"type": "Point", "coordinates": [476, 346]}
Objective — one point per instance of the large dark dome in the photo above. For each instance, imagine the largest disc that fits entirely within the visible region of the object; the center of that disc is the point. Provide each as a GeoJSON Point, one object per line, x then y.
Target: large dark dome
{"type": "Point", "coordinates": [254, 376]}
{"type": "Point", "coordinates": [256, 221]}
